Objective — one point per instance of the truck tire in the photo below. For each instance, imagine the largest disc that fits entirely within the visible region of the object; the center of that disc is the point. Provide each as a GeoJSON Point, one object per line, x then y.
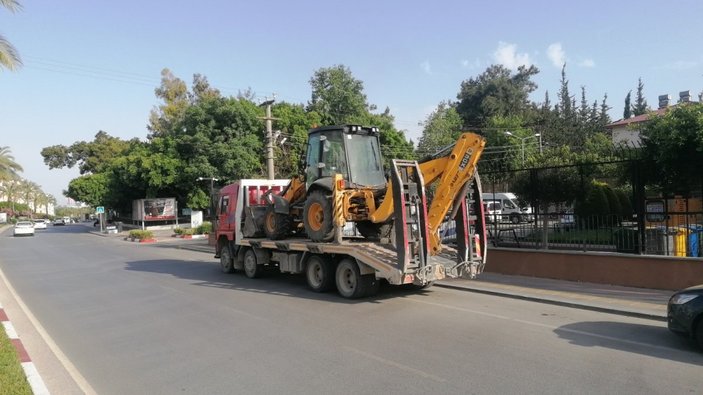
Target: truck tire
{"type": "Point", "coordinates": [317, 216]}
{"type": "Point", "coordinates": [515, 218]}
{"type": "Point", "coordinates": [226, 261]}
{"type": "Point", "coordinates": [350, 283]}
{"type": "Point", "coordinates": [276, 226]}
{"type": "Point", "coordinates": [319, 273]}
{"type": "Point", "coordinates": [251, 267]}
{"type": "Point", "coordinates": [371, 284]}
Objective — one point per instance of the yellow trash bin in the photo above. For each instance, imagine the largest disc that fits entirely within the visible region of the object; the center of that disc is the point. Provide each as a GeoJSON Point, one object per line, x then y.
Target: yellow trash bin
{"type": "Point", "coordinates": [680, 241]}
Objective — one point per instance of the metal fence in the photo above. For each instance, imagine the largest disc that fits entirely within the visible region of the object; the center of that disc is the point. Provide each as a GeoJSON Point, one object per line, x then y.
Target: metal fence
{"type": "Point", "coordinates": [658, 223]}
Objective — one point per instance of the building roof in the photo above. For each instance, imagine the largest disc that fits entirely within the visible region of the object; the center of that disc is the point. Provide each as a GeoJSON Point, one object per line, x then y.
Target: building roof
{"type": "Point", "coordinates": [636, 119]}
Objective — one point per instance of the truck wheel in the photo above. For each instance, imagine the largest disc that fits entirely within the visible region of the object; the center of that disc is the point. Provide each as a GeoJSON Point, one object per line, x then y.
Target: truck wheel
{"type": "Point", "coordinates": [371, 283]}
{"type": "Point", "coordinates": [515, 219]}
{"type": "Point", "coordinates": [276, 226]}
{"type": "Point", "coordinates": [320, 274]}
{"type": "Point", "coordinates": [317, 217]}
{"type": "Point", "coordinates": [251, 268]}
{"type": "Point", "coordinates": [350, 283]}
{"type": "Point", "coordinates": [226, 261]}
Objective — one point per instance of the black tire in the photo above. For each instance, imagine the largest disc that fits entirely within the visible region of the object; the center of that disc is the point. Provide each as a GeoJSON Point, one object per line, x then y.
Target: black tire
{"type": "Point", "coordinates": [515, 219]}
{"type": "Point", "coordinates": [349, 281]}
{"type": "Point", "coordinates": [317, 217]}
{"type": "Point", "coordinates": [226, 261]}
{"type": "Point", "coordinates": [320, 274]}
{"type": "Point", "coordinates": [251, 267]}
{"type": "Point", "coordinates": [371, 283]}
{"type": "Point", "coordinates": [698, 336]}
{"type": "Point", "coordinates": [372, 231]}
{"type": "Point", "coordinates": [277, 226]}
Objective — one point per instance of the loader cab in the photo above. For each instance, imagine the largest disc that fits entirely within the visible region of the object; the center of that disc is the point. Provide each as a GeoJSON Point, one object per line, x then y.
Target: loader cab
{"type": "Point", "coordinates": [352, 151]}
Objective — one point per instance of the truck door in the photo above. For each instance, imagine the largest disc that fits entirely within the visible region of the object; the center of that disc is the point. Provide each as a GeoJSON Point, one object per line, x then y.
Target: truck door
{"type": "Point", "coordinates": [225, 211]}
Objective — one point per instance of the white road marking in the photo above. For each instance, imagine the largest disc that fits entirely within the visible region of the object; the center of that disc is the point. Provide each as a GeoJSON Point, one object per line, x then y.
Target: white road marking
{"type": "Point", "coordinates": [68, 365]}
{"type": "Point", "coordinates": [34, 379]}
{"type": "Point", "coordinates": [10, 330]}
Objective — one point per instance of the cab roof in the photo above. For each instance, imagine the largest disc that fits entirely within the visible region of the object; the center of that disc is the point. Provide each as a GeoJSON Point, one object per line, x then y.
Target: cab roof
{"type": "Point", "coordinates": [353, 129]}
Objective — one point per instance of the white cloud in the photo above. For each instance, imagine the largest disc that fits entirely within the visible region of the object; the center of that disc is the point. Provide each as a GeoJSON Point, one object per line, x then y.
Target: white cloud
{"type": "Point", "coordinates": [426, 67]}
{"type": "Point", "coordinates": [589, 63]}
{"type": "Point", "coordinates": [556, 54]}
{"type": "Point", "coordinates": [507, 55]}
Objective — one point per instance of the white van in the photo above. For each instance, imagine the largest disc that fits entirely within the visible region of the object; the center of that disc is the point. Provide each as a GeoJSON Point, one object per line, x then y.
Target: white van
{"type": "Point", "coordinates": [509, 207]}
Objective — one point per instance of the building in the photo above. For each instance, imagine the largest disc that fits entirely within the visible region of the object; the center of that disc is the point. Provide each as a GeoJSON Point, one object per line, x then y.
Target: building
{"type": "Point", "coordinates": [627, 131]}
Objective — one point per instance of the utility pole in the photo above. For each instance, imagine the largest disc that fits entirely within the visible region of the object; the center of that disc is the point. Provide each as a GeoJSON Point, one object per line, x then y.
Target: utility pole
{"type": "Point", "coordinates": [269, 137]}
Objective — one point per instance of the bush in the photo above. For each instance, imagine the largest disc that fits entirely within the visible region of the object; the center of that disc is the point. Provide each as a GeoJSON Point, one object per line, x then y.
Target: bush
{"type": "Point", "coordinates": [141, 234]}
{"type": "Point", "coordinates": [625, 204]}
{"type": "Point", "coordinates": [205, 228]}
{"type": "Point", "coordinates": [178, 231]}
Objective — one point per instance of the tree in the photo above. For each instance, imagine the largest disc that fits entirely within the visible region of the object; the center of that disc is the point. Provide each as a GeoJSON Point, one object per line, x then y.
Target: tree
{"type": "Point", "coordinates": [27, 191]}
{"type": "Point", "coordinates": [91, 189]}
{"type": "Point", "coordinates": [293, 124]}
{"type": "Point", "coordinates": [564, 107]}
{"type": "Point", "coordinates": [441, 128]}
{"type": "Point", "coordinates": [673, 146]}
{"type": "Point", "coordinates": [627, 113]}
{"type": "Point", "coordinates": [91, 157]}
{"type": "Point", "coordinates": [337, 96]}
{"type": "Point", "coordinates": [9, 57]}
{"type": "Point", "coordinates": [640, 107]}
{"type": "Point", "coordinates": [8, 167]}
{"type": "Point", "coordinates": [496, 92]}
{"type": "Point", "coordinates": [11, 189]}
{"type": "Point", "coordinates": [174, 92]}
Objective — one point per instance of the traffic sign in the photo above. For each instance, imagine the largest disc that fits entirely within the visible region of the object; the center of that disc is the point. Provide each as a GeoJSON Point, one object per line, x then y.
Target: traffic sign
{"type": "Point", "coordinates": [100, 210]}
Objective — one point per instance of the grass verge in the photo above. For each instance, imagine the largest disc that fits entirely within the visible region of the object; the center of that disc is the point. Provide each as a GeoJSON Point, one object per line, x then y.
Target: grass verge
{"type": "Point", "coordinates": [12, 378]}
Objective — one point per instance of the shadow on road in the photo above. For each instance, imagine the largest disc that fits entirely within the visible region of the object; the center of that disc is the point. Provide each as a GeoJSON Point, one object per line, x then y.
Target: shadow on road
{"type": "Point", "coordinates": [650, 340]}
{"type": "Point", "coordinates": [208, 274]}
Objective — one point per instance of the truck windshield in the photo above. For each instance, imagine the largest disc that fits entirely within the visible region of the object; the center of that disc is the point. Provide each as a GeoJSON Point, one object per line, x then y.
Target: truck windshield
{"type": "Point", "coordinates": [365, 165]}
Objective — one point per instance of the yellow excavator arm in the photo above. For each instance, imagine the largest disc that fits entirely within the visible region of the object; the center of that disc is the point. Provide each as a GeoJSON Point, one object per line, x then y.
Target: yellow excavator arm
{"type": "Point", "coordinates": [453, 171]}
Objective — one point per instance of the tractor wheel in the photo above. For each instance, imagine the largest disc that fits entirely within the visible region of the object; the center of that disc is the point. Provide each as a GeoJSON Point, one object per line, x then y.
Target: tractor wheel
{"type": "Point", "coordinates": [276, 226]}
{"type": "Point", "coordinates": [317, 217]}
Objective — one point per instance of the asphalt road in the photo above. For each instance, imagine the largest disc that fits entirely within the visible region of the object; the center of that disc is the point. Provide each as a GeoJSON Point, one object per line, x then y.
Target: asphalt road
{"type": "Point", "coordinates": [150, 319]}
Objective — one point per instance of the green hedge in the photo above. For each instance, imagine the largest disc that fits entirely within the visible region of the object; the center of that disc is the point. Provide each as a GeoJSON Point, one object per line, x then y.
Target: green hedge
{"type": "Point", "coordinates": [141, 234]}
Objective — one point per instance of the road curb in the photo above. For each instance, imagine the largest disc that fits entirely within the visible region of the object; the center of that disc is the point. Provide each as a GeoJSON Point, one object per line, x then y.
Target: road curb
{"type": "Point", "coordinates": [601, 309]}
{"type": "Point", "coordinates": [30, 371]}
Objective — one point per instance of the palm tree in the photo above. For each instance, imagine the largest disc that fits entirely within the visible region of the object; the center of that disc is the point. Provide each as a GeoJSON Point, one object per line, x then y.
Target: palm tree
{"type": "Point", "coordinates": [10, 189]}
{"type": "Point", "coordinates": [8, 166]}
{"type": "Point", "coordinates": [27, 191]}
{"type": "Point", "coordinates": [9, 57]}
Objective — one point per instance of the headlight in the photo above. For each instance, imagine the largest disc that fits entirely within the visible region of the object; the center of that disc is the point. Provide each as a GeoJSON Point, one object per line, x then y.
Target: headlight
{"type": "Point", "coordinates": [682, 298]}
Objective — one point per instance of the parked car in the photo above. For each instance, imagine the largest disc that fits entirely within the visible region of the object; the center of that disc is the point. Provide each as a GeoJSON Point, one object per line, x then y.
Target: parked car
{"type": "Point", "coordinates": [24, 228]}
{"type": "Point", "coordinates": [39, 224]}
{"type": "Point", "coordinates": [59, 221]}
{"type": "Point", "coordinates": [685, 313]}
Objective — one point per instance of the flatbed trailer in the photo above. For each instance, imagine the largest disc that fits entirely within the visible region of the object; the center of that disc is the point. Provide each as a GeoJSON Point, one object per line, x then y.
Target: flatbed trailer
{"type": "Point", "coordinates": [352, 264]}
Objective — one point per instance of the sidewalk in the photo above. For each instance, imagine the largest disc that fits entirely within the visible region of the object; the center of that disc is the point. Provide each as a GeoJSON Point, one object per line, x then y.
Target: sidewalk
{"type": "Point", "coordinates": [634, 302]}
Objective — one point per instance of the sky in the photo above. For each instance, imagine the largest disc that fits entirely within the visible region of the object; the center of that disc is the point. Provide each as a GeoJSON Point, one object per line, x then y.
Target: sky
{"type": "Point", "coordinates": [93, 65]}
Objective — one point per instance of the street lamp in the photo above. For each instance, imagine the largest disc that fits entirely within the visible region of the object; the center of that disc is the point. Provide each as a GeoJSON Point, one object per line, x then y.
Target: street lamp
{"type": "Point", "coordinates": [522, 143]}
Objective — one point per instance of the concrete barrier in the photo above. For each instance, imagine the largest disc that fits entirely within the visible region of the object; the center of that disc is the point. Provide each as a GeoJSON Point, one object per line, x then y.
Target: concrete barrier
{"type": "Point", "coordinates": [644, 271]}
